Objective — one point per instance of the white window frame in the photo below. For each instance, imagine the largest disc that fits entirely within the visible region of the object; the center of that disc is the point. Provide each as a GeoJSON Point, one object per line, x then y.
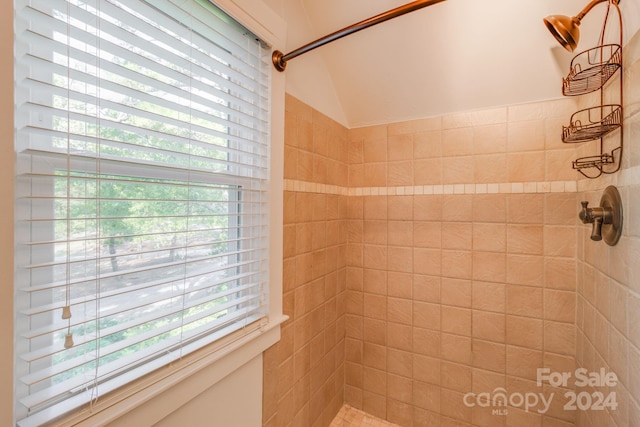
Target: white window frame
{"type": "Point", "coordinates": [198, 371]}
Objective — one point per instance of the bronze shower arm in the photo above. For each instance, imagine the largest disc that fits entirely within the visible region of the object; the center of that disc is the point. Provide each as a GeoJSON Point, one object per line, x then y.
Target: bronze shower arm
{"type": "Point", "coordinates": [280, 59]}
{"type": "Point", "coordinates": [590, 6]}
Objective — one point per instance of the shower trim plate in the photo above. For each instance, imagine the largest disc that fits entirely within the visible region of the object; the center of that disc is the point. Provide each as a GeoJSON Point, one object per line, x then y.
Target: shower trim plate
{"type": "Point", "coordinates": [612, 231]}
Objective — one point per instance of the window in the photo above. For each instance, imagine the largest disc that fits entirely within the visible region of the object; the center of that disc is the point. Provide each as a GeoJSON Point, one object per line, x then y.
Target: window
{"type": "Point", "coordinates": [142, 178]}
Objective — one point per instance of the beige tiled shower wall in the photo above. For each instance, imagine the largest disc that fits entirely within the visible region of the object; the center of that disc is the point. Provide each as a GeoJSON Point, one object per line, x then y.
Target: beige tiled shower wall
{"type": "Point", "coordinates": [304, 372]}
{"type": "Point", "coordinates": [424, 261]}
{"type": "Point", "coordinates": [461, 273]}
{"type": "Point", "coordinates": [608, 305]}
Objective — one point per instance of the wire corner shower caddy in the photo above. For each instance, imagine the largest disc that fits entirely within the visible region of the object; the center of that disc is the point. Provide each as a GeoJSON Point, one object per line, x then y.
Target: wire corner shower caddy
{"type": "Point", "coordinates": [590, 71]}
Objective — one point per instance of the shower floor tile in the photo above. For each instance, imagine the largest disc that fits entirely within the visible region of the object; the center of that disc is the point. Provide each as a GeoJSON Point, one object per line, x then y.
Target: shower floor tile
{"type": "Point", "coordinates": [352, 417]}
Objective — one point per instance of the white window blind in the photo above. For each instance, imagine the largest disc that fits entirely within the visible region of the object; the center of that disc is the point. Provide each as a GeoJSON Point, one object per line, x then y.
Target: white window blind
{"type": "Point", "coordinates": [141, 192]}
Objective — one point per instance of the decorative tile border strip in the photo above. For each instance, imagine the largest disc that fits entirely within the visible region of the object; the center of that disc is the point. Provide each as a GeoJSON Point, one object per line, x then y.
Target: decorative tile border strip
{"type": "Point", "coordinates": [493, 188]}
{"type": "Point", "coordinates": [312, 187]}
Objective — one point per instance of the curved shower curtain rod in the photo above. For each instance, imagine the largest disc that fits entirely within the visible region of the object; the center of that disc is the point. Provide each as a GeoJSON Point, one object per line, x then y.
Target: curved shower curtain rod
{"type": "Point", "coordinates": [280, 59]}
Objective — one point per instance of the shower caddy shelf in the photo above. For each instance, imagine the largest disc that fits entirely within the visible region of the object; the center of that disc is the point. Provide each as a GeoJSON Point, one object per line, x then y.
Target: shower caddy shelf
{"type": "Point", "coordinates": [589, 72]}
{"type": "Point", "coordinates": [584, 128]}
{"type": "Point", "coordinates": [583, 80]}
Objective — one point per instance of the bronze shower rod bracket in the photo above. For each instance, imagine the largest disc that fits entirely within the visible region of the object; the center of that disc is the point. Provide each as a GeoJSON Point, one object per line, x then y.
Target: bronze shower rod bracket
{"type": "Point", "coordinates": [280, 59]}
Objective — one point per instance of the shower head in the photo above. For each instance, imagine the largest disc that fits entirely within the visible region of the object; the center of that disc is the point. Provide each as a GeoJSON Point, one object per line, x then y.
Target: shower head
{"type": "Point", "coordinates": [566, 30]}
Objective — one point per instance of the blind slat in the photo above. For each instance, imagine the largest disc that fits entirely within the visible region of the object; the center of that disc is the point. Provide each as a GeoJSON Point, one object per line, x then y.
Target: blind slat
{"type": "Point", "coordinates": [117, 166]}
{"type": "Point", "coordinates": [140, 253]}
{"type": "Point", "coordinates": [103, 238]}
{"type": "Point", "coordinates": [92, 180]}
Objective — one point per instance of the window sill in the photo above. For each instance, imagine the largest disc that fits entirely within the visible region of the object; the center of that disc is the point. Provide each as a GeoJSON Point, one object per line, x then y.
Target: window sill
{"type": "Point", "coordinates": [186, 379]}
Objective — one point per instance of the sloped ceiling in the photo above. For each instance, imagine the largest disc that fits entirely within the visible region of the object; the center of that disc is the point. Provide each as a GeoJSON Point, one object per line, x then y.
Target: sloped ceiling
{"type": "Point", "coordinates": [458, 55]}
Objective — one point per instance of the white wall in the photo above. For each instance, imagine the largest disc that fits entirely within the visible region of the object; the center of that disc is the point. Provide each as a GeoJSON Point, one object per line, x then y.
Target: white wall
{"type": "Point", "coordinates": [233, 402]}
{"type": "Point", "coordinates": [307, 76]}
{"type": "Point", "coordinates": [631, 18]}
